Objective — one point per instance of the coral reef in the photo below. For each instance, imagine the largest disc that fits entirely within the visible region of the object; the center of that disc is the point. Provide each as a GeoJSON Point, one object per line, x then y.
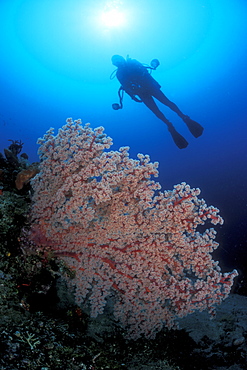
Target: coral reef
{"type": "Point", "coordinates": [100, 211]}
{"type": "Point", "coordinates": [24, 176]}
{"type": "Point", "coordinates": [15, 168]}
{"type": "Point", "coordinates": [40, 328]}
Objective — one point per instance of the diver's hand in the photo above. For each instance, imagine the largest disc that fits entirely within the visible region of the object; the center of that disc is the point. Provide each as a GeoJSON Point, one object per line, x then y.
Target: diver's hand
{"type": "Point", "coordinates": [138, 100]}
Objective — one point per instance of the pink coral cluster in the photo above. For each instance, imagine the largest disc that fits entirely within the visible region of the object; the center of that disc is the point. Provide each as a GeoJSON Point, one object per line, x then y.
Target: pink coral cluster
{"type": "Point", "coordinates": [100, 211]}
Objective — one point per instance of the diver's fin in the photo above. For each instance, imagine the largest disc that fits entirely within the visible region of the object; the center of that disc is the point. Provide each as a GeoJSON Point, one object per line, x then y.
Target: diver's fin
{"type": "Point", "coordinates": [178, 139]}
{"type": "Point", "coordinates": [195, 128]}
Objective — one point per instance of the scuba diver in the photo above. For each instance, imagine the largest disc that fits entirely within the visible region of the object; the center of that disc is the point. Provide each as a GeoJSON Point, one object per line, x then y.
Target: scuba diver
{"type": "Point", "coordinates": [137, 82]}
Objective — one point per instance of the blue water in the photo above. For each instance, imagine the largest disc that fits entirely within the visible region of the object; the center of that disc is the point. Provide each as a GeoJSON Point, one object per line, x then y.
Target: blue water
{"type": "Point", "coordinates": [56, 62]}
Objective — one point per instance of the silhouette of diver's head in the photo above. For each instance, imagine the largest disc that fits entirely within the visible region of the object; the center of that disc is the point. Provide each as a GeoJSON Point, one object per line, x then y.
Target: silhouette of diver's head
{"type": "Point", "coordinates": [118, 60]}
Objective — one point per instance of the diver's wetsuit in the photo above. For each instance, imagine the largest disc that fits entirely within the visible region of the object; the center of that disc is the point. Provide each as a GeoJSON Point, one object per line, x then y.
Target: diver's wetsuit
{"type": "Point", "coordinates": [136, 81]}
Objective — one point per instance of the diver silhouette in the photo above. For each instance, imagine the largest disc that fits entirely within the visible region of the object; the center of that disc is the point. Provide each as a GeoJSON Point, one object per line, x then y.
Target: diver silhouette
{"type": "Point", "coordinates": [138, 83]}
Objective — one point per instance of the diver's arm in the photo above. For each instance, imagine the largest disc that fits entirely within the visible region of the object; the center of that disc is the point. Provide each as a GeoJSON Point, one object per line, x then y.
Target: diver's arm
{"type": "Point", "coordinates": [132, 95]}
{"type": "Point", "coordinates": [128, 86]}
{"type": "Point", "coordinates": [129, 89]}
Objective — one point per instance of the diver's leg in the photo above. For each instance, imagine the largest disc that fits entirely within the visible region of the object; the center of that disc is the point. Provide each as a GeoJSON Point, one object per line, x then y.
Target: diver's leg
{"type": "Point", "coordinates": [195, 128]}
{"type": "Point", "coordinates": [177, 138]}
{"type": "Point", "coordinates": [158, 94]}
{"type": "Point", "coordinates": [150, 103]}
